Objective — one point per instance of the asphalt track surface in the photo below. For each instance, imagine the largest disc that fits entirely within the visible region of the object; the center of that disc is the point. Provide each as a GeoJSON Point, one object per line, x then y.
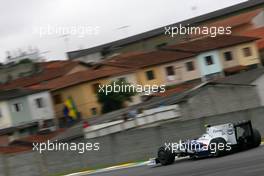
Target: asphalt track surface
{"type": "Point", "coordinates": [246, 163]}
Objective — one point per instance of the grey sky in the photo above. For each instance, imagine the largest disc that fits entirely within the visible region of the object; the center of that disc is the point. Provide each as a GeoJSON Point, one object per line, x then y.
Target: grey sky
{"type": "Point", "coordinates": [20, 21]}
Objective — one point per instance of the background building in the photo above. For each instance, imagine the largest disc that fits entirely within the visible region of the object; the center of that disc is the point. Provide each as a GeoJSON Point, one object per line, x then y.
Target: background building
{"type": "Point", "coordinates": [25, 112]}
{"type": "Point", "coordinates": [240, 18]}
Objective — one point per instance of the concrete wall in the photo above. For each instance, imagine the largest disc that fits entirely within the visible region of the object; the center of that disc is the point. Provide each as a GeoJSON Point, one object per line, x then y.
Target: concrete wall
{"type": "Point", "coordinates": [260, 88]}
{"type": "Point", "coordinates": [219, 99]}
{"type": "Point", "coordinates": [29, 163]}
{"type": "Point", "coordinates": [147, 117]}
{"type": "Point", "coordinates": [121, 147]}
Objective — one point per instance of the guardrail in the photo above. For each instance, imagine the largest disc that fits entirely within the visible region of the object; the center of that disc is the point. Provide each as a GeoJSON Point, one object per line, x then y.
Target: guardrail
{"type": "Point", "coordinates": [147, 117]}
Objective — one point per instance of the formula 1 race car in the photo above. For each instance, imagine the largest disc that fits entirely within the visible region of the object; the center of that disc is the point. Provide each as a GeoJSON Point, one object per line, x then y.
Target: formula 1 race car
{"type": "Point", "coordinates": [217, 141]}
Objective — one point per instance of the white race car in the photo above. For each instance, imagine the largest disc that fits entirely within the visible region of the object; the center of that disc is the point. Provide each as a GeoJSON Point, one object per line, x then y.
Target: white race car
{"type": "Point", "coordinates": [217, 141]}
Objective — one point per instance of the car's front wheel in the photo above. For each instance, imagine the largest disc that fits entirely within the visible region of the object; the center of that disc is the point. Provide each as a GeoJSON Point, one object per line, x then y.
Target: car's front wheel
{"type": "Point", "coordinates": [165, 156]}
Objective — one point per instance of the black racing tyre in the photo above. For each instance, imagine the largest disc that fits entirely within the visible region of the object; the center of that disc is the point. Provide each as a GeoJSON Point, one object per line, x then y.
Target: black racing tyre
{"type": "Point", "coordinates": [256, 138]}
{"type": "Point", "coordinates": [165, 156]}
{"type": "Point", "coordinates": [217, 147]}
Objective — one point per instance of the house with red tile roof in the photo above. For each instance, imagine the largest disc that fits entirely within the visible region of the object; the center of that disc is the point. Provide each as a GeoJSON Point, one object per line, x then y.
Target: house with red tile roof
{"type": "Point", "coordinates": [25, 144]}
{"type": "Point", "coordinates": [221, 55]}
{"type": "Point", "coordinates": [259, 33]}
{"type": "Point", "coordinates": [243, 16]}
{"type": "Point", "coordinates": [171, 65]}
{"type": "Point", "coordinates": [49, 71]}
{"type": "Point", "coordinates": [24, 112]}
{"type": "Point", "coordinates": [82, 87]}
{"type": "Point", "coordinates": [238, 24]}
{"type": "Point", "coordinates": [204, 58]}
{"type": "Point", "coordinates": [160, 67]}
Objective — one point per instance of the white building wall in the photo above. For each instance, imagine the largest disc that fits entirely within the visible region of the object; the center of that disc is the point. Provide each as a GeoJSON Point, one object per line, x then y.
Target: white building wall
{"type": "Point", "coordinates": [44, 113]}
{"type": "Point", "coordinates": [181, 72]}
{"type": "Point", "coordinates": [5, 119]}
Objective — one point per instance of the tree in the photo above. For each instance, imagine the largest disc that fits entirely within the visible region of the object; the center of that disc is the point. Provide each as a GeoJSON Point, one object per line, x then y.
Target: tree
{"type": "Point", "coordinates": [115, 100]}
{"type": "Point", "coordinates": [25, 61]}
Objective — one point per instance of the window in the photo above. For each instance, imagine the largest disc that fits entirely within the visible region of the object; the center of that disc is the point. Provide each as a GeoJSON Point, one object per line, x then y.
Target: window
{"type": "Point", "coordinates": [122, 79]}
{"type": "Point", "coordinates": [95, 88]}
{"type": "Point", "coordinates": [170, 71]}
{"type": "Point", "coordinates": [161, 45]}
{"type": "Point", "coordinates": [57, 99]}
{"type": "Point", "coordinates": [209, 60]}
{"type": "Point", "coordinates": [93, 111]}
{"type": "Point", "coordinates": [228, 56]}
{"type": "Point", "coordinates": [247, 51]}
{"type": "Point", "coordinates": [150, 75]}
{"type": "Point", "coordinates": [189, 66]}
{"type": "Point", "coordinates": [39, 102]}
{"type": "Point", "coordinates": [17, 107]}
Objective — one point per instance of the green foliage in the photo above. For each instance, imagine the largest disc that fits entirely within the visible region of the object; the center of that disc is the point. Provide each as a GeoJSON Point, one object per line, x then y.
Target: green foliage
{"type": "Point", "coordinates": [114, 100]}
{"type": "Point", "coordinates": [25, 61]}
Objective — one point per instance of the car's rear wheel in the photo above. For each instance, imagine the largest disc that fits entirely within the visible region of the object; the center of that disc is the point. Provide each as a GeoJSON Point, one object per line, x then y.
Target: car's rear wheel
{"type": "Point", "coordinates": [217, 147]}
{"type": "Point", "coordinates": [256, 138]}
{"type": "Point", "coordinates": [165, 156]}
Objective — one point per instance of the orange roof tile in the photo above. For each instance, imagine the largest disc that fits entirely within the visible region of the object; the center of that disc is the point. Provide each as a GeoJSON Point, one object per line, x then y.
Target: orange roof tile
{"type": "Point", "coordinates": [236, 20]}
{"type": "Point", "coordinates": [57, 64]}
{"type": "Point", "coordinates": [47, 74]}
{"type": "Point", "coordinates": [37, 138]}
{"type": "Point", "coordinates": [141, 60]}
{"type": "Point", "coordinates": [15, 149]}
{"type": "Point", "coordinates": [258, 32]}
{"type": "Point", "coordinates": [81, 77]}
{"type": "Point", "coordinates": [235, 69]}
{"type": "Point", "coordinates": [178, 89]}
{"type": "Point", "coordinates": [25, 144]}
{"type": "Point", "coordinates": [211, 43]}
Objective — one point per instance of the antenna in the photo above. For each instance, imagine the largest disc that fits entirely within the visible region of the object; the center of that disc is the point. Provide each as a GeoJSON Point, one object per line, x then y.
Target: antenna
{"type": "Point", "coordinates": [66, 40]}
{"type": "Point", "coordinates": [124, 29]}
